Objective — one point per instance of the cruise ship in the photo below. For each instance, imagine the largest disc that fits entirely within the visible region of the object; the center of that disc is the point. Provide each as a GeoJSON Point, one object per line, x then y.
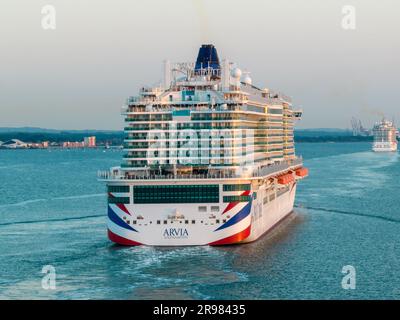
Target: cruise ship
{"type": "Point", "coordinates": [209, 159]}
{"type": "Point", "coordinates": [385, 137]}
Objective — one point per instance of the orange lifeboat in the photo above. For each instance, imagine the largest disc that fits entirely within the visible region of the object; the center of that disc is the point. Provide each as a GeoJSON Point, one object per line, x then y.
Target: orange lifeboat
{"type": "Point", "coordinates": [302, 172]}
{"type": "Point", "coordinates": [286, 178]}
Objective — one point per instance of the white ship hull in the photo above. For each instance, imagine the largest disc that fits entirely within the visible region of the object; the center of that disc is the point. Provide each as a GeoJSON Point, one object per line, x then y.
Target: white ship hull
{"type": "Point", "coordinates": [243, 222]}
{"type": "Point", "coordinates": [384, 147]}
{"type": "Point", "coordinates": [384, 137]}
{"type": "Point", "coordinates": [271, 214]}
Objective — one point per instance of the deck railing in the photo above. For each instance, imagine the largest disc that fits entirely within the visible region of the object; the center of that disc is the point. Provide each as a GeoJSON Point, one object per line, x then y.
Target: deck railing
{"type": "Point", "coordinates": [223, 174]}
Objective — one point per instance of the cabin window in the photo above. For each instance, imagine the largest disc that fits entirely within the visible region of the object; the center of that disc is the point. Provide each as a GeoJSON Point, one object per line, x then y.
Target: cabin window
{"type": "Point", "coordinates": [236, 187]}
{"type": "Point", "coordinates": [123, 200]}
{"type": "Point", "coordinates": [237, 198]}
{"type": "Point", "coordinates": [176, 194]}
{"type": "Point", "coordinates": [275, 111]}
{"type": "Point", "coordinates": [118, 189]}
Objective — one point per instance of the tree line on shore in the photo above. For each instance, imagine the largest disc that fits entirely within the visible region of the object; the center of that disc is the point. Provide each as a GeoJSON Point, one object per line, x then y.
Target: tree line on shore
{"type": "Point", "coordinates": [116, 137]}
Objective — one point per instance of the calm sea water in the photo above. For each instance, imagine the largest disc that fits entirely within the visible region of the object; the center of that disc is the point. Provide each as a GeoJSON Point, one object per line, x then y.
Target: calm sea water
{"type": "Point", "coordinates": [52, 212]}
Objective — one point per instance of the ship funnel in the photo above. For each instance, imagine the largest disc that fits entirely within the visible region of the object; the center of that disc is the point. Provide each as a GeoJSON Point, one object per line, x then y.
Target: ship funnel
{"type": "Point", "coordinates": [207, 58]}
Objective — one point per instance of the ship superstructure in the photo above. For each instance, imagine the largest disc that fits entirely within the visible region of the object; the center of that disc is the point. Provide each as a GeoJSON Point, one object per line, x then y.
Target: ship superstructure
{"type": "Point", "coordinates": [210, 159]}
{"type": "Point", "coordinates": [385, 136]}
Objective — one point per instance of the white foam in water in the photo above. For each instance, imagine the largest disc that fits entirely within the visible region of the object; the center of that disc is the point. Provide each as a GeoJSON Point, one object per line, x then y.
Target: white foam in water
{"type": "Point", "coordinates": [23, 203]}
{"type": "Point", "coordinates": [80, 197]}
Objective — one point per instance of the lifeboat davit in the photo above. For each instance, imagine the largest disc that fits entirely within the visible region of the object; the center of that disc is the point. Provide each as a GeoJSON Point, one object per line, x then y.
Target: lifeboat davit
{"type": "Point", "coordinates": [302, 172]}
{"type": "Point", "coordinates": [286, 178]}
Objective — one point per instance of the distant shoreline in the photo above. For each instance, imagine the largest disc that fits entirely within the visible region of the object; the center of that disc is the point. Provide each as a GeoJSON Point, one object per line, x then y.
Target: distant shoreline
{"type": "Point", "coordinates": [333, 139]}
{"type": "Point", "coordinates": [115, 138]}
{"type": "Point", "coordinates": [102, 137]}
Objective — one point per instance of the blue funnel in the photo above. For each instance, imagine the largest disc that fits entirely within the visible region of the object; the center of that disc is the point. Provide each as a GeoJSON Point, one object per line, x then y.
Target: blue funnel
{"type": "Point", "coordinates": [207, 57]}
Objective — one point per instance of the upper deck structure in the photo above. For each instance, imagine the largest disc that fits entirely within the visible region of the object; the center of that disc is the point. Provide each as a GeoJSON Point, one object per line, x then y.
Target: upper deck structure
{"type": "Point", "coordinates": [206, 118]}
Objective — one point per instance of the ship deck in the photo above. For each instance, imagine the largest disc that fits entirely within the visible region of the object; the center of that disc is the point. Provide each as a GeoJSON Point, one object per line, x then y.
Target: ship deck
{"type": "Point", "coordinates": [261, 173]}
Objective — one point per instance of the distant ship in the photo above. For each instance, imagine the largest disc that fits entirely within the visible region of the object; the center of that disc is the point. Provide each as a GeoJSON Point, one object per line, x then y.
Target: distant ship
{"type": "Point", "coordinates": [385, 134]}
{"type": "Point", "coordinates": [210, 159]}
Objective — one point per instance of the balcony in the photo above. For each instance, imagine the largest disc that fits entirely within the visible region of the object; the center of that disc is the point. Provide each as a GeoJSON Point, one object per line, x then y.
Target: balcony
{"type": "Point", "coordinates": [222, 174]}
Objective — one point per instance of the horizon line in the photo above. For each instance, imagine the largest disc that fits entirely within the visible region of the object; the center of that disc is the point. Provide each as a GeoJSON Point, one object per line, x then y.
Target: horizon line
{"type": "Point", "coordinates": [122, 129]}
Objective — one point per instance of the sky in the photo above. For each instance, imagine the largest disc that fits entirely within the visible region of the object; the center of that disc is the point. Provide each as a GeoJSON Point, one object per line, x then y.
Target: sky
{"type": "Point", "coordinates": [78, 75]}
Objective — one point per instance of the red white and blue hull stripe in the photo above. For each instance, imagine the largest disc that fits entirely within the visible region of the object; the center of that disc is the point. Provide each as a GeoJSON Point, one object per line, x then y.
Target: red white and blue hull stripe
{"type": "Point", "coordinates": [236, 228]}
{"type": "Point", "coordinates": [236, 222]}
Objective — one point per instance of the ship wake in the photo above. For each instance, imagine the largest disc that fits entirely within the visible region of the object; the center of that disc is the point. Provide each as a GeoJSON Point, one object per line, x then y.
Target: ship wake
{"type": "Point", "coordinates": [373, 216]}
